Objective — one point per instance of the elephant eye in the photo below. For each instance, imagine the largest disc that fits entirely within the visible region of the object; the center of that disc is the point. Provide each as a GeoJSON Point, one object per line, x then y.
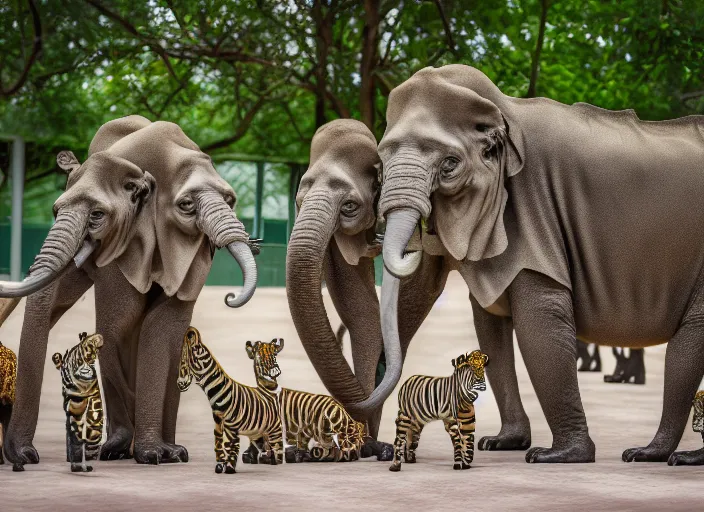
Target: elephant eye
{"type": "Point", "coordinates": [349, 208]}
{"type": "Point", "coordinates": [187, 206]}
{"type": "Point", "coordinates": [96, 217]}
{"type": "Point", "coordinates": [130, 187]}
{"type": "Point", "coordinates": [448, 165]}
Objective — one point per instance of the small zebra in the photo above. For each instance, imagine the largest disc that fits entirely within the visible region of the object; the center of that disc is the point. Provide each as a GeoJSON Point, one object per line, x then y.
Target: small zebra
{"type": "Point", "coordinates": [82, 402]}
{"type": "Point", "coordinates": [423, 399]}
{"type": "Point", "coordinates": [306, 416]}
{"type": "Point", "coordinates": [237, 409]}
{"type": "Point", "coordinates": [698, 417]}
{"type": "Point", "coordinates": [8, 379]}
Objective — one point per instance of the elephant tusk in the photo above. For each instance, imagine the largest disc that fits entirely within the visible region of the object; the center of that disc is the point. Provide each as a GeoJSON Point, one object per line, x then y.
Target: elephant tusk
{"type": "Point", "coordinates": [88, 247]}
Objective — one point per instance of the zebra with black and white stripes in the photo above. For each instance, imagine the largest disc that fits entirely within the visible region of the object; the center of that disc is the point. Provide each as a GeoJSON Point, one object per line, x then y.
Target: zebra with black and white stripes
{"type": "Point", "coordinates": [237, 409]}
{"type": "Point", "coordinates": [423, 399]}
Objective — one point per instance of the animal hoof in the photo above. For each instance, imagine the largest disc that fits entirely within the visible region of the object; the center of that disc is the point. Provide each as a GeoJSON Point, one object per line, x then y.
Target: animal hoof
{"type": "Point", "coordinates": [576, 453]}
{"type": "Point", "coordinates": [81, 468]}
{"type": "Point", "coordinates": [645, 454]}
{"type": "Point", "coordinates": [160, 453]}
{"type": "Point", "coordinates": [251, 455]}
{"type": "Point", "coordinates": [219, 467]}
{"type": "Point", "coordinates": [688, 458]}
{"type": "Point", "coordinates": [395, 467]}
{"type": "Point", "coordinates": [493, 443]}
{"type": "Point", "coordinates": [17, 467]}
{"type": "Point", "coordinates": [385, 452]}
{"type": "Point", "coordinates": [229, 469]}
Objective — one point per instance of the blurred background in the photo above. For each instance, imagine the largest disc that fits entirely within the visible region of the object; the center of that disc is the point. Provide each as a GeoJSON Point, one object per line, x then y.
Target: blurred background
{"type": "Point", "coordinates": [251, 80]}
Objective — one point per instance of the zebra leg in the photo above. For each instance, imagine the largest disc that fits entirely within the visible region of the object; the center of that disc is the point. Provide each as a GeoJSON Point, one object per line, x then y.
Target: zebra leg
{"type": "Point", "coordinates": [276, 441]}
{"type": "Point", "coordinates": [452, 428]}
{"type": "Point", "coordinates": [219, 449]}
{"type": "Point", "coordinates": [466, 420]}
{"type": "Point", "coordinates": [412, 443]}
{"type": "Point", "coordinates": [94, 427]}
{"type": "Point", "coordinates": [495, 335]}
{"type": "Point", "coordinates": [233, 451]}
{"type": "Point", "coordinates": [252, 453]}
{"type": "Point", "coordinates": [403, 426]}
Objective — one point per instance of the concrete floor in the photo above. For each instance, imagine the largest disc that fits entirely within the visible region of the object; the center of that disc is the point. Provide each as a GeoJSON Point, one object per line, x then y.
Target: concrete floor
{"type": "Point", "coordinates": [620, 416]}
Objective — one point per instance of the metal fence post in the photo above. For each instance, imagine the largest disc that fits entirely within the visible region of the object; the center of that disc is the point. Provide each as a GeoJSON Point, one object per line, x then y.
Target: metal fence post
{"type": "Point", "coordinates": [18, 172]}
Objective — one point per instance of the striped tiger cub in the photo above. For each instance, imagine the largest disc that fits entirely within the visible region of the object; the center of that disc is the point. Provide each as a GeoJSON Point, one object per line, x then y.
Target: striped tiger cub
{"type": "Point", "coordinates": [698, 417]}
{"type": "Point", "coordinates": [423, 399]}
{"type": "Point", "coordinates": [306, 416]}
{"type": "Point", "coordinates": [8, 378]}
{"type": "Point", "coordinates": [82, 402]}
{"type": "Point", "coordinates": [237, 409]}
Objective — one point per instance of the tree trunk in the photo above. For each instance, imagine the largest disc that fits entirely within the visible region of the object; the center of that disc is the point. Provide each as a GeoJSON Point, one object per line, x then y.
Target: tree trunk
{"type": "Point", "coordinates": [370, 58]}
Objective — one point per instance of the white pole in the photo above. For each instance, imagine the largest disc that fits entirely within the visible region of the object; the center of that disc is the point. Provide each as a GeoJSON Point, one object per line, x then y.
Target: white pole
{"type": "Point", "coordinates": [17, 202]}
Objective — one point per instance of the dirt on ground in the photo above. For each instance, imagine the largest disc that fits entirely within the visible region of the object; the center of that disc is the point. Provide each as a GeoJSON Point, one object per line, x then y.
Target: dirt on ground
{"type": "Point", "coordinates": [620, 416]}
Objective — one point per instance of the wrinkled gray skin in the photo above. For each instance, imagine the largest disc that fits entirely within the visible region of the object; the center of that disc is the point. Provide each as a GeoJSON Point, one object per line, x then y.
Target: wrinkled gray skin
{"type": "Point", "coordinates": [334, 238]}
{"type": "Point", "coordinates": [152, 236]}
{"type": "Point", "coordinates": [597, 240]}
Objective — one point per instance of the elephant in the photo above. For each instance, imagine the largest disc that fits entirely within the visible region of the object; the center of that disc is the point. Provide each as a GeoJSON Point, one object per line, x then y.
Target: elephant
{"type": "Point", "coordinates": [141, 218]}
{"type": "Point", "coordinates": [566, 222]}
{"type": "Point", "coordinates": [334, 238]}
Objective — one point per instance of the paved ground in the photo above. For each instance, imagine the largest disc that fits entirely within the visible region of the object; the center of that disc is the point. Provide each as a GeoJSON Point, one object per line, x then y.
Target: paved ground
{"type": "Point", "coordinates": [619, 417]}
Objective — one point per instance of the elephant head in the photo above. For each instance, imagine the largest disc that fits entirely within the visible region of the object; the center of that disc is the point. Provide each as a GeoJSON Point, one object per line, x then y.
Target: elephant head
{"type": "Point", "coordinates": [97, 214]}
{"type": "Point", "coordinates": [449, 147]}
{"type": "Point", "coordinates": [194, 205]}
{"type": "Point", "coordinates": [335, 224]}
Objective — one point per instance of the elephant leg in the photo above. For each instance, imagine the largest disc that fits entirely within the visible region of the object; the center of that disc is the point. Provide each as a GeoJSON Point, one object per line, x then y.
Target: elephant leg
{"type": "Point", "coordinates": [5, 415]}
{"type": "Point", "coordinates": [684, 368]}
{"type": "Point", "coordinates": [119, 312]}
{"type": "Point", "coordinates": [495, 335]}
{"type": "Point", "coordinates": [160, 341]}
{"type": "Point", "coordinates": [44, 308]}
{"type": "Point", "coordinates": [687, 458]}
{"type": "Point", "coordinates": [544, 321]}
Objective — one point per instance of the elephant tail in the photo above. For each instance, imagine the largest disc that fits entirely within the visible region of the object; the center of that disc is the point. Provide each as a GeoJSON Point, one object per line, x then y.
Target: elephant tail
{"type": "Point", "coordinates": [340, 334]}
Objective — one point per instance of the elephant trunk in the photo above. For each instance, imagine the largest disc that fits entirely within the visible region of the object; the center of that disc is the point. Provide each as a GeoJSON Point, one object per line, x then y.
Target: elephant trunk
{"type": "Point", "coordinates": [392, 345]}
{"type": "Point", "coordinates": [315, 225]}
{"type": "Point", "coordinates": [63, 242]}
{"type": "Point", "coordinates": [218, 221]}
{"type": "Point", "coordinates": [400, 224]}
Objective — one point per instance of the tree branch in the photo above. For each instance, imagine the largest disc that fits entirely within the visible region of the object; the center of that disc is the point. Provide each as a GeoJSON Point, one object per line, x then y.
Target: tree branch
{"type": "Point", "coordinates": [691, 95]}
{"type": "Point", "coordinates": [241, 128]}
{"type": "Point", "coordinates": [535, 64]}
{"type": "Point", "coordinates": [36, 48]}
{"type": "Point", "coordinates": [448, 29]}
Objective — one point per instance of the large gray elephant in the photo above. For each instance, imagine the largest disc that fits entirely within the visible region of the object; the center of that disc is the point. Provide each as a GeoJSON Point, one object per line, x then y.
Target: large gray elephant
{"type": "Point", "coordinates": [566, 222]}
{"type": "Point", "coordinates": [141, 217]}
{"type": "Point", "coordinates": [334, 236]}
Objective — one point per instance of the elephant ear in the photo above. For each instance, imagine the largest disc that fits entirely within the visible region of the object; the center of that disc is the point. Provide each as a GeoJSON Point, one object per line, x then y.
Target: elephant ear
{"type": "Point", "coordinates": [515, 148]}
{"type": "Point", "coordinates": [67, 161]}
{"type": "Point", "coordinates": [138, 258]}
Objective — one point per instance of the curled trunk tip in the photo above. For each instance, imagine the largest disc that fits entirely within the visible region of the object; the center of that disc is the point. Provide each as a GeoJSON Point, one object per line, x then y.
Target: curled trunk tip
{"type": "Point", "coordinates": [400, 225]}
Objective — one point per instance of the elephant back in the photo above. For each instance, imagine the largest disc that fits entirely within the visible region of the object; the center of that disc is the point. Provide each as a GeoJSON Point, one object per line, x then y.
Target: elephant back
{"type": "Point", "coordinates": [112, 131]}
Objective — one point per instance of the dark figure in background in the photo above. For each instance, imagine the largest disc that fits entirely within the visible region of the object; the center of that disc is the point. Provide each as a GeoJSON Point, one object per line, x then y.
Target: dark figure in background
{"type": "Point", "coordinates": [629, 369]}
{"type": "Point", "coordinates": [588, 362]}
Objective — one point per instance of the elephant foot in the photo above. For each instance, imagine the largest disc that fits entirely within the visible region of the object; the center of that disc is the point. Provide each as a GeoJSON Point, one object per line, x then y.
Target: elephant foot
{"type": "Point", "coordinates": [461, 465]}
{"type": "Point", "coordinates": [383, 451]}
{"type": "Point", "coordinates": [395, 467]}
{"type": "Point", "coordinates": [21, 452]}
{"type": "Point", "coordinates": [117, 446]}
{"type": "Point", "coordinates": [225, 467]}
{"type": "Point", "coordinates": [646, 454]}
{"type": "Point", "coordinates": [688, 458]}
{"type": "Point", "coordinates": [511, 441]}
{"type": "Point", "coordinates": [81, 468]}
{"type": "Point", "coordinates": [251, 455]}
{"type": "Point", "coordinates": [159, 453]}
{"type": "Point", "coordinates": [583, 451]}
{"type": "Point", "coordinates": [17, 467]}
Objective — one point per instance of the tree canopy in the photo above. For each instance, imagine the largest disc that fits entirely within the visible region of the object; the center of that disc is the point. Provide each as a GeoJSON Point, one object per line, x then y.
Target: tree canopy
{"type": "Point", "coordinates": [259, 76]}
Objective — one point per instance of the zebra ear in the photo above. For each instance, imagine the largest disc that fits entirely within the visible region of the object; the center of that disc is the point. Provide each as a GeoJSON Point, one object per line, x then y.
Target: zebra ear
{"type": "Point", "coordinates": [82, 336]}
{"type": "Point", "coordinates": [453, 364]}
{"type": "Point", "coordinates": [57, 360]}
{"type": "Point", "coordinates": [486, 359]}
{"type": "Point", "coordinates": [279, 344]}
{"type": "Point", "coordinates": [250, 349]}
